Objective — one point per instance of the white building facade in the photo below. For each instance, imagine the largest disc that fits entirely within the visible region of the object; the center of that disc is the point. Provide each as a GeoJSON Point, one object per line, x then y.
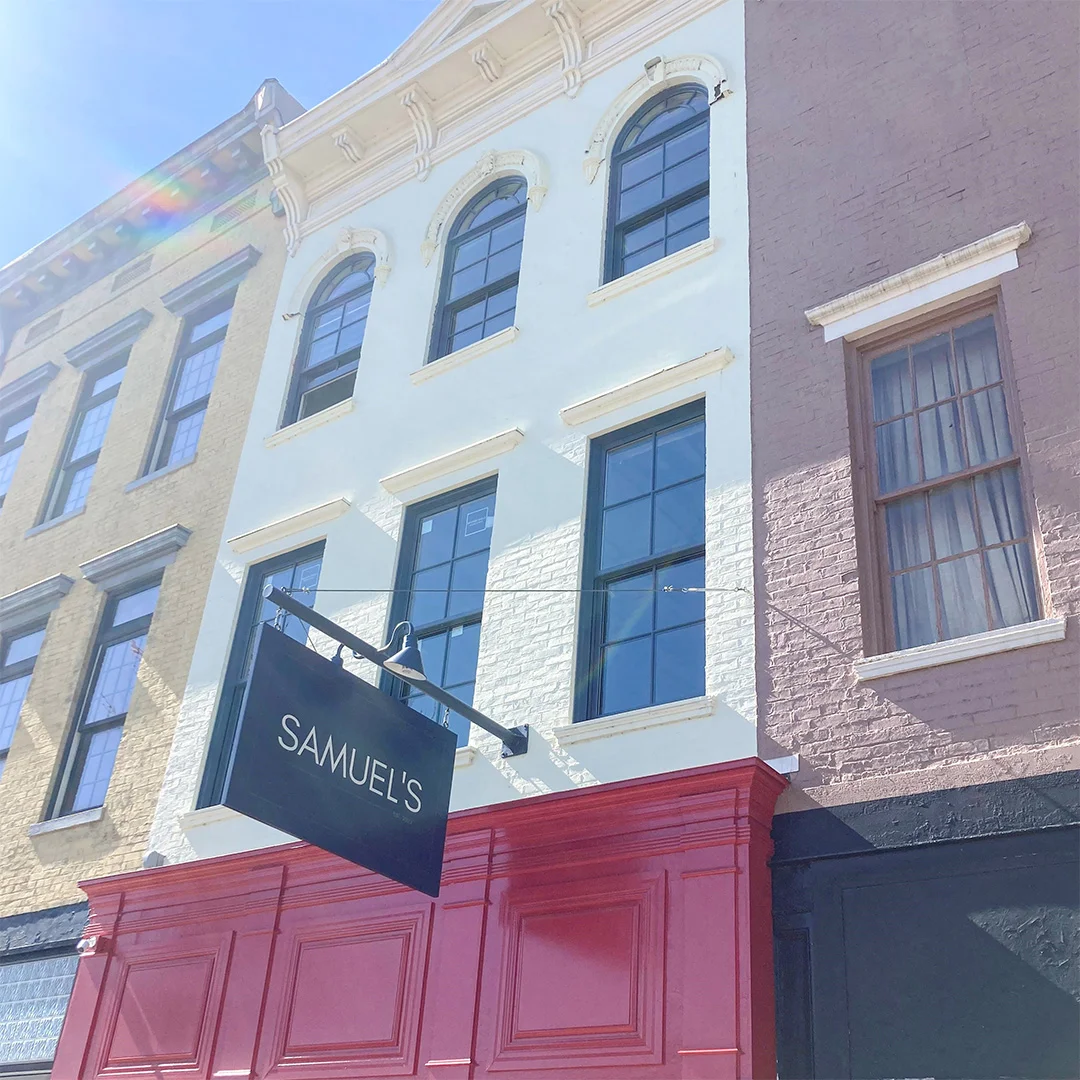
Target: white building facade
{"type": "Point", "coordinates": [512, 334]}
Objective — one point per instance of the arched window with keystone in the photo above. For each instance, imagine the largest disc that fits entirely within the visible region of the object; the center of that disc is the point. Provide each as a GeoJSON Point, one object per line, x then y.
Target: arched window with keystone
{"type": "Point", "coordinates": [658, 201]}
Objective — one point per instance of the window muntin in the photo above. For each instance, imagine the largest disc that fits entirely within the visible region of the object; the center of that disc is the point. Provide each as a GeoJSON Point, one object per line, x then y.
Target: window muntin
{"type": "Point", "coordinates": [440, 590]}
{"type": "Point", "coordinates": [298, 572]}
{"type": "Point", "coordinates": [659, 194]}
{"type": "Point", "coordinates": [92, 415]}
{"type": "Point", "coordinates": [33, 1002]}
{"type": "Point", "coordinates": [18, 651]}
{"type": "Point", "coordinates": [645, 534]}
{"type": "Point", "coordinates": [191, 384]}
{"type": "Point", "coordinates": [13, 431]}
{"type": "Point", "coordinates": [956, 542]}
{"type": "Point", "coordinates": [478, 296]}
{"type": "Point", "coordinates": [332, 338]}
{"type": "Point", "coordinates": [114, 669]}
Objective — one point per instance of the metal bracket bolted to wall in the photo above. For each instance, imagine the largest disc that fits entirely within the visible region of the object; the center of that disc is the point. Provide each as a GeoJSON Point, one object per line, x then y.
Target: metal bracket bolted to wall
{"type": "Point", "coordinates": [515, 740]}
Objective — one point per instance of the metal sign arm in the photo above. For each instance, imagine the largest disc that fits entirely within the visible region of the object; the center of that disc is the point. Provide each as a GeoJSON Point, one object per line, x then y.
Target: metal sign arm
{"type": "Point", "coordinates": [515, 740]}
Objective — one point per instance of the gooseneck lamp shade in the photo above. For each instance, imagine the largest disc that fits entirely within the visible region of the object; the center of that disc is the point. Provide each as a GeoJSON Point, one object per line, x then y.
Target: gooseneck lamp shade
{"type": "Point", "coordinates": [407, 661]}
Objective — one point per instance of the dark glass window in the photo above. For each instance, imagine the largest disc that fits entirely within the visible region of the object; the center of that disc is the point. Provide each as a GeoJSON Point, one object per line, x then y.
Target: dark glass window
{"type": "Point", "coordinates": [191, 384]}
{"type": "Point", "coordinates": [13, 430]}
{"type": "Point", "coordinates": [332, 338]}
{"type": "Point", "coordinates": [480, 273]}
{"type": "Point", "coordinates": [297, 571]}
{"type": "Point", "coordinates": [34, 994]}
{"type": "Point", "coordinates": [440, 590]}
{"type": "Point", "coordinates": [114, 669]}
{"type": "Point", "coordinates": [645, 544]}
{"type": "Point", "coordinates": [18, 651]}
{"type": "Point", "coordinates": [93, 412]}
{"type": "Point", "coordinates": [659, 193]}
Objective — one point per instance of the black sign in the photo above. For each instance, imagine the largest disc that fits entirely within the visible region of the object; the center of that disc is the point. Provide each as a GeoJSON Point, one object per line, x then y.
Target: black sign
{"type": "Point", "coordinates": [326, 757]}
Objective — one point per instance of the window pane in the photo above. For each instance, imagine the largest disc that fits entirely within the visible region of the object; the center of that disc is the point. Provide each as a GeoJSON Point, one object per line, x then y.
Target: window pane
{"type": "Point", "coordinates": [933, 371]}
{"type": "Point", "coordinates": [16, 428]}
{"type": "Point", "coordinates": [197, 376]}
{"type": "Point", "coordinates": [680, 663]}
{"type": "Point", "coordinates": [987, 429]}
{"type": "Point", "coordinates": [1011, 578]}
{"type": "Point", "coordinates": [686, 174]}
{"type": "Point", "coordinates": [185, 440]}
{"type": "Point", "coordinates": [136, 606]}
{"type": "Point", "coordinates": [470, 573]}
{"type": "Point", "coordinates": [472, 252]}
{"type": "Point", "coordinates": [643, 237]}
{"type": "Point", "coordinates": [115, 680]}
{"type": "Point", "coordinates": [355, 279]}
{"type": "Point", "coordinates": [8, 462]}
{"type": "Point", "coordinates": [466, 281]}
{"type": "Point", "coordinates": [626, 676]}
{"type": "Point", "coordinates": [23, 647]}
{"type": "Point", "coordinates": [913, 608]}
{"type": "Point", "coordinates": [33, 1002]}
{"type": "Point", "coordinates": [976, 354]}
{"type": "Point", "coordinates": [643, 257]}
{"type": "Point", "coordinates": [503, 264]}
{"type": "Point", "coordinates": [428, 601]}
{"type": "Point", "coordinates": [677, 608]}
{"type": "Point", "coordinates": [906, 532]}
{"type": "Point", "coordinates": [12, 695]}
{"type": "Point", "coordinates": [437, 538]}
{"type": "Point", "coordinates": [321, 349]}
{"type": "Point", "coordinates": [633, 200]}
{"type": "Point", "coordinates": [106, 382]}
{"type": "Point", "coordinates": [433, 653]}
{"type": "Point", "coordinates": [496, 201]}
{"type": "Point", "coordinates": [671, 110]}
{"type": "Point", "coordinates": [97, 768]}
{"type": "Point", "coordinates": [352, 336]}
{"type": "Point", "coordinates": [680, 454]}
{"type": "Point", "coordinates": [679, 517]}
{"type": "Point", "coordinates": [625, 534]}
{"type": "Point", "coordinates": [208, 326]}
{"type": "Point", "coordinates": [963, 601]}
{"type": "Point", "coordinates": [952, 515]}
{"type": "Point", "coordinates": [507, 235]}
{"type": "Point", "coordinates": [461, 654]}
{"type": "Point", "coordinates": [681, 147]}
{"type": "Point", "coordinates": [630, 605]}
{"type": "Point", "coordinates": [92, 427]}
{"type": "Point", "coordinates": [686, 237]}
{"type": "Point", "coordinates": [890, 382]}
{"type": "Point", "coordinates": [1001, 508]}
{"type": "Point", "coordinates": [897, 458]}
{"type": "Point", "coordinates": [500, 302]}
{"type": "Point", "coordinates": [644, 167]}
{"type": "Point", "coordinates": [692, 213]}
{"type": "Point", "coordinates": [475, 520]}
{"type": "Point", "coordinates": [939, 432]}
{"type": "Point", "coordinates": [327, 322]}
{"type": "Point", "coordinates": [78, 489]}
{"type": "Point", "coordinates": [628, 472]}
{"type": "Point", "coordinates": [356, 310]}
{"type": "Point", "coordinates": [322, 396]}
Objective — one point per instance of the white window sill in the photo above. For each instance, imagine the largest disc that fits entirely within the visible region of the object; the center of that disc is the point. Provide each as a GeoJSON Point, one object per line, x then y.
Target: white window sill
{"type": "Point", "coordinates": [655, 716]}
{"type": "Point", "coordinates": [653, 271]}
{"type": "Point", "coordinates": [46, 525]}
{"type": "Point", "coordinates": [309, 422]}
{"type": "Point", "coordinates": [176, 466]}
{"type": "Point", "coordinates": [68, 821]}
{"type": "Point", "coordinates": [464, 756]}
{"type": "Point", "coordinates": [964, 648]}
{"type": "Point", "coordinates": [463, 356]}
{"type": "Point", "coordinates": [473, 454]}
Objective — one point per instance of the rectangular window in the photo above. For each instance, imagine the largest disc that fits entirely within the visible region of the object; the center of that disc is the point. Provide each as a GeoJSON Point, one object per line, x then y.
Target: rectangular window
{"type": "Point", "coordinates": [114, 669]}
{"type": "Point", "coordinates": [441, 579]}
{"type": "Point", "coordinates": [13, 430]}
{"type": "Point", "coordinates": [33, 1000]}
{"type": "Point", "coordinates": [190, 385]}
{"type": "Point", "coordinates": [296, 571]}
{"type": "Point", "coordinates": [643, 608]}
{"type": "Point", "coordinates": [18, 652]}
{"type": "Point", "coordinates": [97, 397]}
{"type": "Point", "coordinates": [951, 524]}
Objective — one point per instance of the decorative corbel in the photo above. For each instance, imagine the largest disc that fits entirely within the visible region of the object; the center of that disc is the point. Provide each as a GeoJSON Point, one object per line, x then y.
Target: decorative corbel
{"type": "Point", "coordinates": [567, 25]}
{"type": "Point", "coordinates": [420, 112]}
{"type": "Point", "coordinates": [348, 144]}
{"type": "Point", "coordinates": [488, 61]}
{"type": "Point", "coordinates": [288, 186]}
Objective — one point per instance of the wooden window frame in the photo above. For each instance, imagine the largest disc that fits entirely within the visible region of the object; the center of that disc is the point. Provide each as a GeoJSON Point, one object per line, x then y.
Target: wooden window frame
{"type": "Point", "coordinates": [878, 623]}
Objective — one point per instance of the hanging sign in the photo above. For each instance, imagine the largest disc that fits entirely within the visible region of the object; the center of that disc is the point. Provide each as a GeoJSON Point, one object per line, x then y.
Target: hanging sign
{"type": "Point", "coordinates": [328, 758]}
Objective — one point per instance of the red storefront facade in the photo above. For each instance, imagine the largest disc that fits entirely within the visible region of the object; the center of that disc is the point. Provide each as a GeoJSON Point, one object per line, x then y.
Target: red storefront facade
{"type": "Point", "coordinates": [624, 930]}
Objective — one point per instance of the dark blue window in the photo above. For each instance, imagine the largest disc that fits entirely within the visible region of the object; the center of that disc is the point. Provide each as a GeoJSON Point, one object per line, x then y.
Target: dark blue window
{"type": "Point", "coordinates": [440, 590]}
{"type": "Point", "coordinates": [480, 273]}
{"type": "Point", "coordinates": [295, 571]}
{"type": "Point", "coordinates": [659, 192]}
{"type": "Point", "coordinates": [645, 544]}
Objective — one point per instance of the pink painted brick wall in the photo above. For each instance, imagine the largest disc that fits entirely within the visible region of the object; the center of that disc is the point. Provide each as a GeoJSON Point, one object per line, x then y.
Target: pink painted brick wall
{"type": "Point", "coordinates": [881, 134]}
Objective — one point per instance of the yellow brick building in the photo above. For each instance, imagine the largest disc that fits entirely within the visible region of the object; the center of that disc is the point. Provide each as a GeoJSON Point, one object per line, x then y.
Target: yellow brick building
{"type": "Point", "coordinates": [131, 344]}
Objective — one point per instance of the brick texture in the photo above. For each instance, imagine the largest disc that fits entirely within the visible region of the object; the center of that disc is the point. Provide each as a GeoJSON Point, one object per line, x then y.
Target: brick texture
{"type": "Point", "coordinates": [881, 134]}
{"type": "Point", "coordinates": [44, 871]}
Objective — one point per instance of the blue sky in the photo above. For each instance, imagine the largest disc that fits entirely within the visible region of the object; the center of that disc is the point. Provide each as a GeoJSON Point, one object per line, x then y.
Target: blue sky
{"type": "Point", "coordinates": [93, 93]}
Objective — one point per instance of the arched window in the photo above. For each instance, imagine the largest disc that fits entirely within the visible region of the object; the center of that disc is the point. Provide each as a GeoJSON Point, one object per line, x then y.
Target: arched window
{"type": "Point", "coordinates": [659, 192]}
{"type": "Point", "coordinates": [332, 336]}
{"type": "Point", "coordinates": [480, 272]}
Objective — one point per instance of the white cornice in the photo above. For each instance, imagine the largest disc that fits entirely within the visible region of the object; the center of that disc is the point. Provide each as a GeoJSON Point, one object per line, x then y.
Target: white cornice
{"type": "Point", "coordinates": [33, 603]}
{"type": "Point", "coordinates": [289, 526]}
{"type": "Point", "coordinates": [648, 385]}
{"type": "Point", "coordinates": [963, 648]}
{"type": "Point", "coordinates": [211, 283]}
{"type": "Point", "coordinates": [109, 342]}
{"type": "Point", "coordinates": [473, 454]}
{"type": "Point", "coordinates": [874, 304]}
{"type": "Point", "coordinates": [137, 559]}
